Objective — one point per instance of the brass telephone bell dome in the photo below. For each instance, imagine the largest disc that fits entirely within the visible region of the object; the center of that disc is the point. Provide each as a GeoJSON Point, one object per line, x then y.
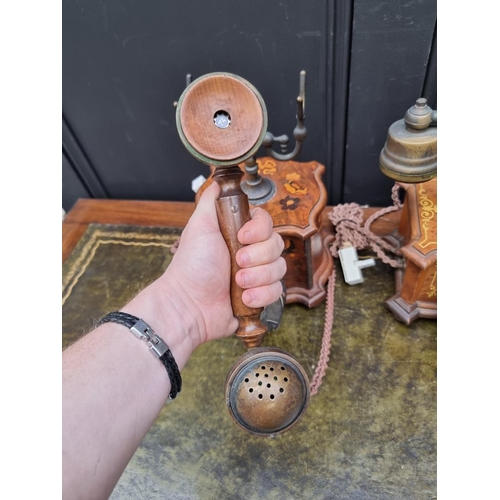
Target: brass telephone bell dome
{"type": "Point", "coordinates": [410, 151]}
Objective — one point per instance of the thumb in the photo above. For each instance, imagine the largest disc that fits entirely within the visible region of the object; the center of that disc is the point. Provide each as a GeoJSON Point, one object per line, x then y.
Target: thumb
{"type": "Point", "coordinates": [206, 212]}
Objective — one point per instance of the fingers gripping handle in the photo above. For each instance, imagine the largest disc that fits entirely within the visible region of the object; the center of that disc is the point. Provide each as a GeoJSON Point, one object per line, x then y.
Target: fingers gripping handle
{"type": "Point", "coordinates": [233, 212]}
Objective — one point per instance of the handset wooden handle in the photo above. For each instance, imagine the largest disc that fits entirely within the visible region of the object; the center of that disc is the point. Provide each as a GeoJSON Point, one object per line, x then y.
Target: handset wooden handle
{"type": "Point", "coordinates": [222, 121]}
{"type": "Point", "coordinates": [233, 212]}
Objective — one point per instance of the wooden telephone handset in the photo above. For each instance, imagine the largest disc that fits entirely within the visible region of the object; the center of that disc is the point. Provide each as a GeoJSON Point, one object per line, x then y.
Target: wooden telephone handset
{"type": "Point", "coordinates": [222, 121]}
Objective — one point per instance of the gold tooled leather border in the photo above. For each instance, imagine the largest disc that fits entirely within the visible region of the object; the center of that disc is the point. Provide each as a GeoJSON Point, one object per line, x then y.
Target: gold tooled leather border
{"type": "Point", "coordinates": [97, 237]}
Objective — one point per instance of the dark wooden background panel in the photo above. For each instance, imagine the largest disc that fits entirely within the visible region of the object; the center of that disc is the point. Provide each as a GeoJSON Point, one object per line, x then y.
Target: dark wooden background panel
{"type": "Point", "coordinates": [430, 83]}
{"type": "Point", "coordinates": [72, 186]}
{"type": "Point", "coordinates": [339, 63]}
{"type": "Point", "coordinates": [391, 45]}
{"type": "Point", "coordinates": [125, 63]}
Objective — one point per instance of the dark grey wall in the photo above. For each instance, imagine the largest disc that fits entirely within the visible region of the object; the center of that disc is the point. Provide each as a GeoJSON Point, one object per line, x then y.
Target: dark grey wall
{"type": "Point", "coordinates": [72, 186]}
{"type": "Point", "coordinates": [124, 64]}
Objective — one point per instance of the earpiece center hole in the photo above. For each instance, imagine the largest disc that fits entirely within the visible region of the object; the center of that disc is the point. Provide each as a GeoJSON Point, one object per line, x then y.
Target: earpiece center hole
{"type": "Point", "coordinates": [222, 119]}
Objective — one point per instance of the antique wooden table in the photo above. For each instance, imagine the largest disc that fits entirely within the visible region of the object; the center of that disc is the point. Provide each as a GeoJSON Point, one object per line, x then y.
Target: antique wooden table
{"type": "Point", "coordinates": [369, 433]}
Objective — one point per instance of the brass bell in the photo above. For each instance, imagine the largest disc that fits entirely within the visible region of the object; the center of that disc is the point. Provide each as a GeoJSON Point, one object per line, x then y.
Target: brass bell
{"type": "Point", "coordinates": [410, 152]}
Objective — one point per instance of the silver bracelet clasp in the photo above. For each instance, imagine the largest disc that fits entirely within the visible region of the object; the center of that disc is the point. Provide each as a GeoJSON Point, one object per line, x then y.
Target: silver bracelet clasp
{"type": "Point", "coordinates": [144, 332]}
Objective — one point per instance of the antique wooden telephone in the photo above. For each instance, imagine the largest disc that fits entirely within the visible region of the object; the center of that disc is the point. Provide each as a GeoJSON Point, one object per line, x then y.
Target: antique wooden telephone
{"type": "Point", "coordinates": [222, 121]}
{"type": "Point", "coordinates": [409, 157]}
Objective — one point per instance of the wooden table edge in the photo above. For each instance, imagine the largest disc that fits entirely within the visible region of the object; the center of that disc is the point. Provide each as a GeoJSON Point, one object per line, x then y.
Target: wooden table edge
{"type": "Point", "coordinates": [167, 214]}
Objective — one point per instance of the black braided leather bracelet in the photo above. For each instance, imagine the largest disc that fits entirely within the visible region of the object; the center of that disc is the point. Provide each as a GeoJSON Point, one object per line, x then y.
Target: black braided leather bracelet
{"type": "Point", "coordinates": [157, 346]}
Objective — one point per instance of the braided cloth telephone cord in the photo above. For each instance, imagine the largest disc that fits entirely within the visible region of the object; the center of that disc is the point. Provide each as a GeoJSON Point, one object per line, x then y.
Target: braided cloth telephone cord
{"type": "Point", "coordinates": [347, 220]}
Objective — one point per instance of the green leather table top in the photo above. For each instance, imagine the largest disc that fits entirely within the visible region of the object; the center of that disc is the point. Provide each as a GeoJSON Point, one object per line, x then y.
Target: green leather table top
{"type": "Point", "coordinates": [369, 433]}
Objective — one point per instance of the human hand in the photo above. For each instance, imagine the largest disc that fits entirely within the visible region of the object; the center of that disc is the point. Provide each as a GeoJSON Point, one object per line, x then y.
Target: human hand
{"type": "Point", "coordinates": [200, 270]}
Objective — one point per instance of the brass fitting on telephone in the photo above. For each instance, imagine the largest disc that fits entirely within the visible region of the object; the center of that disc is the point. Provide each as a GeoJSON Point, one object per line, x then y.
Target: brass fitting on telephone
{"type": "Point", "coordinates": [410, 152]}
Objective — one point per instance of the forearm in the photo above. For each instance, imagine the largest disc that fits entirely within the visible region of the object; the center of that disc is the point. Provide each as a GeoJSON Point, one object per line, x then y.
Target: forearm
{"type": "Point", "coordinates": [114, 388]}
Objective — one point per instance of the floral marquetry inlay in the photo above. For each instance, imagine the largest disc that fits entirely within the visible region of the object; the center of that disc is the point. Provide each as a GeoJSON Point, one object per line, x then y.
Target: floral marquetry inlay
{"type": "Point", "coordinates": [298, 192]}
{"type": "Point", "coordinates": [294, 184]}
{"type": "Point", "coordinates": [266, 167]}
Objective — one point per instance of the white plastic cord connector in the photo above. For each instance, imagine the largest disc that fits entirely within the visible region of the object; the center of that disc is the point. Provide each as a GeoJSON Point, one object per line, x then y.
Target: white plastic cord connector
{"type": "Point", "coordinates": [351, 265]}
